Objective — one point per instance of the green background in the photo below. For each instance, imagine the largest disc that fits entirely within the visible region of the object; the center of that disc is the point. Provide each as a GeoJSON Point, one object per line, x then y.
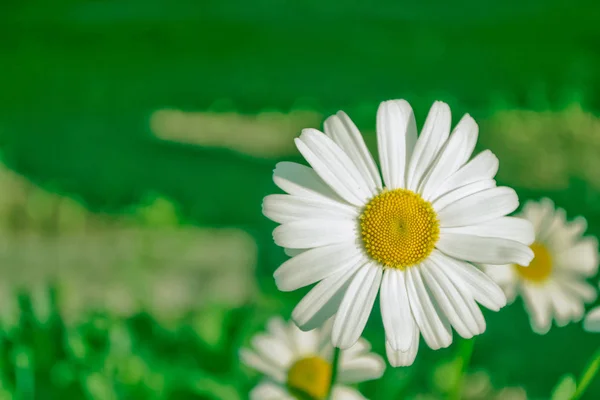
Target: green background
{"type": "Point", "coordinates": [80, 81]}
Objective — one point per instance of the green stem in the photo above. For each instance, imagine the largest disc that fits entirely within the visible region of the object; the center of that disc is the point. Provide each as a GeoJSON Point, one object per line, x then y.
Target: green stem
{"type": "Point", "coordinates": [334, 369]}
{"type": "Point", "coordinates": [465, 352]}
{"type": "Point", "coordinates": [587, 376]}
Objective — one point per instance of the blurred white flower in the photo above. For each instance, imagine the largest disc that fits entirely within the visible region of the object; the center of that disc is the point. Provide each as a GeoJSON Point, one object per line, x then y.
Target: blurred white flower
{"type": "Point", "coordinates": [553, 285]}
{"type": "Point", "coordinates": [591, 323]}
{"type": "Point", "coordinates": [414, 234]}
{"type": "Point", "coordinates": [300, 363]}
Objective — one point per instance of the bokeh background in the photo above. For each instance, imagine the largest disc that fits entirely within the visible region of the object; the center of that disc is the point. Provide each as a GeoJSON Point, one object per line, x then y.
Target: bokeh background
{"type": "Point", "coordinates": [138, 138]}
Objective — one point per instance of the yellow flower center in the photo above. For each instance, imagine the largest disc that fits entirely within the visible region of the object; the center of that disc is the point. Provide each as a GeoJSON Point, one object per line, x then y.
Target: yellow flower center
{"type": "Point", "coordinates": [540, 267]}
{"type": "Point", "coordinates": [310, 377]}
{"type": "Point", "coordinates": [399, 228]}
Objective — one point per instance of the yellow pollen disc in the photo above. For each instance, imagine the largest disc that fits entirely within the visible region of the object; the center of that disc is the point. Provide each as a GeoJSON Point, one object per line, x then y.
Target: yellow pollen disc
{"type": "Point", "coordinates": [399, 228]}
{"type": "Point", "coordinates": [310, 377]}
{"type": "Point", "coordinates": [540, 267]}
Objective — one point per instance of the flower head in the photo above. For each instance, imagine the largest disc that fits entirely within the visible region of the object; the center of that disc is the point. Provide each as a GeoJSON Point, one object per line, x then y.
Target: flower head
{"type": "Point", "coordinates": [553, 286]}
{"type": "Point", "coordinates": [299, 363]}
{"type": "Point", "coordinates": [410, 234]}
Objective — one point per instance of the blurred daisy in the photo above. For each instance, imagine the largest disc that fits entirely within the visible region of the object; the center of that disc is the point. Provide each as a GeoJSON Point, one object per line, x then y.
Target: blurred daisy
{"type": "Point", "coordinates": [299, 363]}
{"type": "Point", "coordinates": [553, 285]}
{"type": "Point", "coordinates": [591, 323]}
{"type": "Point", "coordinates": [414, 233]}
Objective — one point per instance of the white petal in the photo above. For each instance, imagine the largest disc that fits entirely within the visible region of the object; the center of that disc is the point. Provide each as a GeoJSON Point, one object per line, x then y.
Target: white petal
{"type": "Point", "coordinates": [483, 167]}
{"type": "Point", "coordinates": [505, 276]}
{"type": "Point", "coordinates": [568, 234]}
{"type": "Point", "coordinates": [396, 136]}
{"type": "Point", "coordinates": [361, 369]}
{"type": "Point", "coordinates": [437, 333]}
{"type": "Point", "coordinates": [567, 308]}
{"type": "Point", "coordinates": [581, 258]}
{"type": "Point", "coordinates": [395, 310]}
{"type": "Point", "coordinates": [323, 300]}
{"type": "Point", "coordinates": [513, 228]}
{"type": "Point", "coordinates": [399, 358]}
{"type": "Point", "coordinates": [581, 289]}
{"type": "Point", "coordinates": [462, 192]}
{"type": "Point", "coordinates": [315, 264]}
{"type": "Point", "coordinates": [305, 234]}
{"type": "Point", "coordinates": [346, 393]}
{"type": "Point", "coordinates": [302, 181]}
{"type": "Point", "coordinates": [484, 290]}
{"type": "Point", "coordinates": [293, 252]}
{"type": "Point", "coordinates": [269, 391]}
{"type": "Point", "coordinates": [342, 130]}
{"type": "Point", "coordinates": [452, 156]}
{"type": "Point", "coordinates": [305, 343]}
{"type": "Point", "coordinates": [360, 348]}
{"type": "Point", "coordinates": [460, 309]}
{"type": "Point", "coordinates": [592, 320]}
{"type": "Point", "coordinates": [253, 360]}
{"type": "Point", "coordinates": [283, 208]}
{"type": "Point", "coordinates": [433, 136]}
{"type": "Point", "coordinates": [356, 307]}
{"type": "Point", "coordinates": [279, 329]}
{"type": "Point", "coordinates": [496, 251]}
{"type": "Point", "coordinates": [538, 212]}
{"type": "Point", "coordinates": [539, 307]}
{"type": "Point", "coordinates": [333, 166]}
{"type": "Point", "coordinates": [270, 348]}
{"type": "Point", "coordinates": [480, 207]}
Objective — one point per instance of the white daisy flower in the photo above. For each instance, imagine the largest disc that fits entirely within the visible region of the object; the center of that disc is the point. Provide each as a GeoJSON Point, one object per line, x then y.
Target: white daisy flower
{"type": "Point", "coordinates": [299, 363]}
{"type": "Point", "coordinates": [553, 285]}
{"type": "Point", "coordinates": [414, 233]}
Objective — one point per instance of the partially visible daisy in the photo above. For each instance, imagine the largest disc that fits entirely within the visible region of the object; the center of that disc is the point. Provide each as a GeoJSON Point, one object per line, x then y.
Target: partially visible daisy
{"type": "Point", "coordinates": [298, 364]}
{"type": "Point", "coordinates": [553, 286]}
{"type": "Point", "coordinates": [591, 323]}
{"type": "Point", "coordinates": [414, 234]}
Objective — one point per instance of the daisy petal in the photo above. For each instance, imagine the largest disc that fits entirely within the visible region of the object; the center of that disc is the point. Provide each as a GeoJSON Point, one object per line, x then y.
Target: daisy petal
{"type": "Point", "coordinates": [342, 130]}
{"type": "Point", "coordinates": [278, 329]}
{"type": "Point", "coordinates": [581, 289]}
{"type": "Point", "coordinates": [316, 264]}
{"type": "Point", "coordinates": [399, 358]}
{"type": "Point", "coordinates": [309, 233]}
{"type": "Point", "coordinates": [341, 392]}
{"type": "Point", "coordinates": [395, 310]}
{"type": "Point", "coordinates": [396, 136]}
{"type": "Point", "coordinates": [484, 250]}
{"type": "Point", "coordinates": [462, 312]}
{"type": "Point", "coordinates": [437, 333]}
{"type": "Point", "coordinates": [517, 229]}
{"type": "Point", "coordinates": [592, 320]}
{"type": "Point", "coordinates": [484, 290]}
{"type": "Point", "coordinates": [483, 167]}
{"type": "Point", "coordinates": [462, 192]}
{"type": "Point", "coordinates": [581, 258]}
{"type": "Point", "coordinates": [302, 181]}
{"type": "Point", "coordinates": [323, 300]}
{"type": "Point", "coordinates": [269, 391]}
{"type": "Point", "coordinates": [254, 361]}
{"type": "Point", "coordinates": [356, 307]}
{"type": "Point", "coordinates": [333, 166]}
{"type": "Point", "coordinates": [284, 208]}
{"type": "Point", "coordinates": [272, 349]}
{"type": "Point", "coordinates": [452, 156]}
{"type": "Point", "coordinates": [539, 305]}
{"type": "Point", "coordinates": [434, 134]}
{"type": "Point", "coordinates": [566, 307]}
{"type": "Point", "coordinates": [361, 369]}
{"type": "Point", "coordinates": [480, 207]}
